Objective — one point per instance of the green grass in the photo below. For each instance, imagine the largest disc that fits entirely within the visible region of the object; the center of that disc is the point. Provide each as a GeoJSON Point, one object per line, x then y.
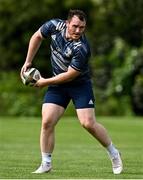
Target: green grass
{"type": "Point", "coordinates": [77, 155]}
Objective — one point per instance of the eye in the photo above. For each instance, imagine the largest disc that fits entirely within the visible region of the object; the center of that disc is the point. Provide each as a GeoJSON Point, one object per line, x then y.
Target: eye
{"type": "Point", "coordinates": [75, 26]}
{"type": "Point", "coordinates": [82, 27]}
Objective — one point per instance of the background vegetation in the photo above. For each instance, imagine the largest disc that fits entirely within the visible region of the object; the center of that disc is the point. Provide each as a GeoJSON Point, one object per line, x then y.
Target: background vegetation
{"type": "Point", "coordinates": [115, 32]}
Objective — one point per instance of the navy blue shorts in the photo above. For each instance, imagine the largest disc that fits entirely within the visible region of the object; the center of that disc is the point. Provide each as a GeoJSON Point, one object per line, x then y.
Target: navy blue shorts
{"type": "Point", "coordinates": [81, 95]}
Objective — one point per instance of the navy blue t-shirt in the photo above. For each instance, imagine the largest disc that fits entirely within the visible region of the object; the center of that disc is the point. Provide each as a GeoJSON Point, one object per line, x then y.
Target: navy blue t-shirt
{"type": "Point", "coordinates": [65, 53]}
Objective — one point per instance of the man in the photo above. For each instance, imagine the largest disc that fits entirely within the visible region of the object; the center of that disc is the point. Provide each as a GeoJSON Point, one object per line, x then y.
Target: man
{"type": "Point", "coordinates": [70, 53]}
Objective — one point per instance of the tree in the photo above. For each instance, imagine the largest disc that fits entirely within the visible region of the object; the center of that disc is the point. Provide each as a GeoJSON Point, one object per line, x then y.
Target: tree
{"type": "Point", "coordinates": [115, 33]}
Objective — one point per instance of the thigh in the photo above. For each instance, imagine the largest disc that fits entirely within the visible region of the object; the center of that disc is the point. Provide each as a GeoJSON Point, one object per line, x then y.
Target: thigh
{"type": "Point", "coordinates": [86, 115]}
{"type": "Point", "coordinates": [51, 113]}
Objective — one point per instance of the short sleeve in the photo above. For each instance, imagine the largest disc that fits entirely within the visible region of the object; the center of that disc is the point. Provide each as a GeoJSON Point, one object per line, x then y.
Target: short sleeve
{"type": "Point", "coordinates": [47, 28]}
{"type": "Point", "coordinates": [51, 27]}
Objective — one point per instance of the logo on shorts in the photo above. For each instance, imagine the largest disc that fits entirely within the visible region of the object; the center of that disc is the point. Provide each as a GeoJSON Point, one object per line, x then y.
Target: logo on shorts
{"type": "Point", "coordinates": [90, 102]}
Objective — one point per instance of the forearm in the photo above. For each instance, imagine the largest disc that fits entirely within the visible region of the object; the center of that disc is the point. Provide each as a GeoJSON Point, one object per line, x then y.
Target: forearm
{"type": "Point", "coordinates": [59, 79]}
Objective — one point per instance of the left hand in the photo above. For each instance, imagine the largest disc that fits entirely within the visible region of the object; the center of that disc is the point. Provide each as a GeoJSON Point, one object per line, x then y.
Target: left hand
{"type": "Point", "coordinates": [41, 82]}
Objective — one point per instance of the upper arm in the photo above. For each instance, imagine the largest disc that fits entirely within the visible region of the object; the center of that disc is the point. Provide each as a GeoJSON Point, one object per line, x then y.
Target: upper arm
{"type": "Point", "coordinates": [37, 35]}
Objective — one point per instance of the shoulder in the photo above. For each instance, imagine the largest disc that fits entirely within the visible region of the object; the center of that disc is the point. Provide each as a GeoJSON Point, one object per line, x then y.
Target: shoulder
{"type": "Point", "coordinates": [52, 26]}
{"type": "Point", "coordinates": [57, 24]}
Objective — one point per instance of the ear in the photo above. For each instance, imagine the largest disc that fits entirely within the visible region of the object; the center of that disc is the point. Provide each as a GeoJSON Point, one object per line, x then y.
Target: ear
{"type": "Point", "coordinates": [67, 22]}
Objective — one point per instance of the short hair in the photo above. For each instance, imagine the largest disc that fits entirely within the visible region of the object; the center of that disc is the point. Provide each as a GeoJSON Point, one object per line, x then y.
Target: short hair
{"type": "Point", "coordinates": [76, 12]}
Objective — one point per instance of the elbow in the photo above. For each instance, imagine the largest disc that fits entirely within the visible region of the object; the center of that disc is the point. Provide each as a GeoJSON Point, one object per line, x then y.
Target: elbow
{"type": "Point", "coordinates": [38, 36]}
{"type": "Point", "coordinates": [71, 78]}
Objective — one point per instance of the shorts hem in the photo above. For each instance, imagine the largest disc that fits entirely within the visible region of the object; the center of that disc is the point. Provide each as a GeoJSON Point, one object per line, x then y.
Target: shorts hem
{"type": "Point", "coordinates": [84, 107]}
{"type": "Point", "coordinates": [55, 103]}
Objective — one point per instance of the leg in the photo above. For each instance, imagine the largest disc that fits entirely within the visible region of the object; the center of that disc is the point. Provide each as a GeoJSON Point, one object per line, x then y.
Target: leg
{"type": "Point", "coordinates": [88, 121]}
{"type": "Point", "coordinates": [50, 116]}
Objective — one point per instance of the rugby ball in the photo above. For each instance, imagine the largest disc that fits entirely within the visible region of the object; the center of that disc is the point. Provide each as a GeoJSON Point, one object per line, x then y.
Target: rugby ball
{"type": "Point", "coordinates": [31, 76]}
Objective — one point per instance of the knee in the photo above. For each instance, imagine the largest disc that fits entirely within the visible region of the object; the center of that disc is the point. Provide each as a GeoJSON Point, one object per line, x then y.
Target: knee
{"type": "Point", "coordinates": [88, 123]}
{"type": "Point", "coordinates": [47, 125]}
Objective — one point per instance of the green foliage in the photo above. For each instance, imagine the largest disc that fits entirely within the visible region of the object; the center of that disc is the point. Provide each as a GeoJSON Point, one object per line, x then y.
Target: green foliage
{"type": "Point", "coordinates": [20, 19]}
{"type": "Point", "coordinates": [116, 79]}
{"type": "Point", "coordinates": [20, 100]}
{"type": "Point", "coordinates": [137, 91]}
{"type": "Point", "coordinates": [115, 33]}
{"type": "Point", "coordinates": [118, 55]}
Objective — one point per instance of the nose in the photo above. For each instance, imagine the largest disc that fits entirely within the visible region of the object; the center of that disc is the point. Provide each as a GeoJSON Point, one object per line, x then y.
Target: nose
{"type": "Point", "coordinates": [77, 30]}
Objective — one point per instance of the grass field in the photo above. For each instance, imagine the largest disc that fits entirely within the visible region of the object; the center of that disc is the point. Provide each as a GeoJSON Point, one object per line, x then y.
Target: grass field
{"type": "Point", "coordinates": [76, 156]}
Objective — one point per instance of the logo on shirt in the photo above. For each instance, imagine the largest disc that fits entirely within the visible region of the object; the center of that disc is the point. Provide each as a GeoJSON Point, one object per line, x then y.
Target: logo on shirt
{"type": "Point", "coordinates": [68, 52]}
{"type": "Point", "coordinates": [53, 37]}
{"type": "Point", "coordinates": [58, 49]}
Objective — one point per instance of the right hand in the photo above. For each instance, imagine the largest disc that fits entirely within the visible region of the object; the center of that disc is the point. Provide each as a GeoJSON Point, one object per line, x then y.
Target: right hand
{"type": "Point", "coordinates": [25, 67]}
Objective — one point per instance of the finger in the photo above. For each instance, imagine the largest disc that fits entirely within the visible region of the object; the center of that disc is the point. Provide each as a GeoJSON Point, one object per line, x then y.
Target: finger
{"type": "Point", "coordinates": [21, 72]}
{"type": "Point", "coordinates": [35, 85]}
{"type": "Point", "coordinates": [25, 68]}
